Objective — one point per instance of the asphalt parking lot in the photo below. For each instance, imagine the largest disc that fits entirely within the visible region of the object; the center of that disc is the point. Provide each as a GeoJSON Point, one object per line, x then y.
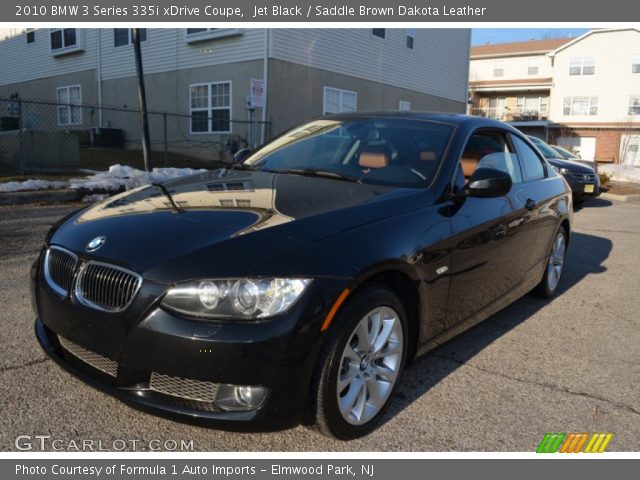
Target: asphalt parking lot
{"type": "Point", "coordinates": [569, 365]}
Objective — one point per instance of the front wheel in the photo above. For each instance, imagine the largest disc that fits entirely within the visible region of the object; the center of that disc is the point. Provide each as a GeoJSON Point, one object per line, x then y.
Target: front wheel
{"type": "Point", "coordinates": [555, 266]}
{"type": "Point", "coordinates": [361, 364]}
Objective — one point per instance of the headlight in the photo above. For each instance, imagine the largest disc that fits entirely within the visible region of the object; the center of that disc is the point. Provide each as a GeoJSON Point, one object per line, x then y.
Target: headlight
{"type": "Point", "coordinates": [562, 171]}
{"type": "Point", "coordinates": [245, 298]}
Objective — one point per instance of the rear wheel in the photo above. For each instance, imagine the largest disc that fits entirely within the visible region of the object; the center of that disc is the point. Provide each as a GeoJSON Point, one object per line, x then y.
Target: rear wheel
{"type": "Point", "coordinates": [555, 265]}
{"type": "Point", "coordinates": [361, 364]}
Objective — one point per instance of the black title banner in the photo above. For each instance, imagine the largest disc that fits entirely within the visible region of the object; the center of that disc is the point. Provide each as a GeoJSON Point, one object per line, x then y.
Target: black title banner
{"type": "Point", "coordinates": [33, 11]}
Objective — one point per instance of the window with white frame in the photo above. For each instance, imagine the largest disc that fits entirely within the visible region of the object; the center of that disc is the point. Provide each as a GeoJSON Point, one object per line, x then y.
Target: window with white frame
{"type": "Point", "coordinates": [404, 106]}
{"type": "Point", "coordinates": [574, 106]}
{"type": "Point", "coordinates": [635, 63]}
{"type": "Point", "coordinates": [124, 36]}
{"type": "Point", "coordinates": [532, 105]}
{"type": "Point", "coordinates": [582, 66]}
{"type": "Point", "coordinates": [193, 35]}
{"type": "Point", "coordinates": [634, 105]}
{"type": "Point", "coordinates": [31, 35]}
{"type": "Point", "coordinates": [533, 66]}
{"type": "Point", "coordinates": [336, 100]}
{"type": "Point", "coordinates": [498, 68]}
{"type": "Point", "coordinates": [210, 107]}
{"type": "Point", "coordinates": [544, 105]}
{"type": "Point", "coordinates": [65, 40]}
{"type": "Point", "coordinates": [69, 109]}
{"type": "Point", "coordinates": [411, 35]}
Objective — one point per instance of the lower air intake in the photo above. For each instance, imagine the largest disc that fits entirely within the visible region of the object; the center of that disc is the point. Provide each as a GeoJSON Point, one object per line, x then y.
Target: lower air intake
{"type": "Point", "coordinates": [98, 362]}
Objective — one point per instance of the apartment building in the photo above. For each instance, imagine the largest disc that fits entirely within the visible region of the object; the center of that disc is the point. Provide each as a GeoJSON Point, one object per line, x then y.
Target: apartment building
{"type": "Point", "coordinates": [582, 93]}
{"type": "Point", "coordinates": [220, 78]}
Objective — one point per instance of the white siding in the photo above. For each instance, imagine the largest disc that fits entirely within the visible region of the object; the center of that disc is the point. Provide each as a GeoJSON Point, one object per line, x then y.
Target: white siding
{"type": "Point", "coordinates": [22, 61]}
{"type": "Point", "coordinates": [166, 50]}
{"type": "Point", "coordinates": [612, 82]}
{"type": "Point", "coordinates": [437, 64]}
{"type": "Point", "coordinates": [514, 68]}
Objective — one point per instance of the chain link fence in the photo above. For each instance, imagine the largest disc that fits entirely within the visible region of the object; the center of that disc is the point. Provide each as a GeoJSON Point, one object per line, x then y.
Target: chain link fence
{"type": "Point", "coordinates": [40, 136]}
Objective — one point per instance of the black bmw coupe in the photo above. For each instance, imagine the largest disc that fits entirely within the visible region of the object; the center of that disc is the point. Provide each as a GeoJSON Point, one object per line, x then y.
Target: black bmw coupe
{"type": "Point", "coordinates": [296, 285]}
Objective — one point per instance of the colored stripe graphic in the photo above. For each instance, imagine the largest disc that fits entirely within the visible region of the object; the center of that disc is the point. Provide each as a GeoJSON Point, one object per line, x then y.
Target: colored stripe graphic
{"type": "Point", "coordinates": [573, 442]}
{"type": "Point", "coordinates": [550, 442]}
{"type": "Point", "coordinates": [598, 442]}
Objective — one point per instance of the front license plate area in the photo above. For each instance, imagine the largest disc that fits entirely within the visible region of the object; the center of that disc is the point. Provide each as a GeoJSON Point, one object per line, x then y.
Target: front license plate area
{"type": "Point", "coordinates": [588, 188]}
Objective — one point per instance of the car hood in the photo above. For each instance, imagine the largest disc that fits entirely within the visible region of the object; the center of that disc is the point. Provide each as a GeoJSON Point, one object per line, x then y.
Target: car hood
{"type": "Point", "coordinates": [570, 165]}
{"type": "Point", "coordinates": [249, 217]}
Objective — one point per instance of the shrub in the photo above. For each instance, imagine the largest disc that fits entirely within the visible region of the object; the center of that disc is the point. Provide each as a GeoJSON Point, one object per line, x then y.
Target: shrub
{"type": "Point", "coordinates": [604, 178]}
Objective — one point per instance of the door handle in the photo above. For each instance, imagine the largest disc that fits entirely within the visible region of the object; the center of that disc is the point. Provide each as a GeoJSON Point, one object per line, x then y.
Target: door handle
{"type": "Point", "coordinates": [530, 204]}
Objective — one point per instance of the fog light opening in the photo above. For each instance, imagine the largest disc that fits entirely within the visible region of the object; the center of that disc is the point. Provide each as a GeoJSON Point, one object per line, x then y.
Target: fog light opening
{"type": "Point", "coordinates": [240, 397]}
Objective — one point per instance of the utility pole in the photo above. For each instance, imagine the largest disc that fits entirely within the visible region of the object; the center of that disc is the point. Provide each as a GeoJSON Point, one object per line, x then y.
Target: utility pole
{"type": "Point", "coordinates": [142, 97]}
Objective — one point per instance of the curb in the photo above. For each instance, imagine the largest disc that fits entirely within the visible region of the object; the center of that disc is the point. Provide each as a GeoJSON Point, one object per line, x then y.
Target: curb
{"type": "Point", "coordinates": [620, 198]}
{"type": "Point", "coordinates": [42, 196]}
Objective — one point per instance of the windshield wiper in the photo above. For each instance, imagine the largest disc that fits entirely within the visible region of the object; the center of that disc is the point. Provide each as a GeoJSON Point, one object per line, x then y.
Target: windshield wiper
{"type": "Point", "coordinates": [166, 193]}
{"type": "Point", "coordinates": [318, 172]}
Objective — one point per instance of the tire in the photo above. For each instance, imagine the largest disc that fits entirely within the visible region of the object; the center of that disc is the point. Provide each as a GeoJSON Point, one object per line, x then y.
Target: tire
{"type": "Point", "coordinates": [554, 267]}
{"type": "Point", "coordinates": [330, 411]}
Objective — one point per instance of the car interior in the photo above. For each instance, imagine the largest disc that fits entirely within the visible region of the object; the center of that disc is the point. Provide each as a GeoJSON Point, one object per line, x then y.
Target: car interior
{"type": "Point", "coordinates": [488, 150]}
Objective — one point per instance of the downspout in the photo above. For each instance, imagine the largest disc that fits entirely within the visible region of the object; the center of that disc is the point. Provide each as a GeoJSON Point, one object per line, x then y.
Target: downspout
{"type": "Point", "coordinates": [265, 77]}
{"type": "Point", "coordinates": [99, 74]}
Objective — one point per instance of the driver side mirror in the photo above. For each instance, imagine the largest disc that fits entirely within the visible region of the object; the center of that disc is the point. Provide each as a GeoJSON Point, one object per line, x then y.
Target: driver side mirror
{"type": "Point", "coordinates": [488, 182]}
{"type": "Point", "coordinates": [240, 155]}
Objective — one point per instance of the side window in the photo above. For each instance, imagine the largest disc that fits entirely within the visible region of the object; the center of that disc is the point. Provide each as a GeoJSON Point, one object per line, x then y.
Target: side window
{"type": "Point", "coordinates": [531, 164]}
{"type": "Point", "coordinates": [490, 150]}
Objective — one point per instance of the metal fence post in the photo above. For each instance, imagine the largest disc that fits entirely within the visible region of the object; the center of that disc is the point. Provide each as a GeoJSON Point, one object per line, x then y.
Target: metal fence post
{"type": "Point", "coordinates": [21, 162]}
{"type": "Point", "coordinates": [166, 141]}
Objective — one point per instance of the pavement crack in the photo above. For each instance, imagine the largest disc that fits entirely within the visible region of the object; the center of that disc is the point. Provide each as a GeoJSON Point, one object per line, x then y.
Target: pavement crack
{"type": "Point", "coordinates": [551, 386]}
{"type": "Point", "coordinates": [24, 365]}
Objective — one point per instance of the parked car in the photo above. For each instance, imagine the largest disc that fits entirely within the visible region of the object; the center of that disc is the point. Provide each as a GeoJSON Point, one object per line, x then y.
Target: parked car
{"type": "Point", "coordinates": [582, 179]}
{"type": "Point", "coordinates": [297, 285]}
{"type": "Point", "coordinates": [567, 155]}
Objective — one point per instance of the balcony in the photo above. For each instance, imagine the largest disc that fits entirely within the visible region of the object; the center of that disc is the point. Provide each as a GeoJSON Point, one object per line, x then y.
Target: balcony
{"type": "Point", "coordinates": [512, 115]}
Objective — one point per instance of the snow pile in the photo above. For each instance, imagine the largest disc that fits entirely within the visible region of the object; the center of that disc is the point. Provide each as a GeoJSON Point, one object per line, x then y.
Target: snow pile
{"type": "Point", "coordinates": [95, 197]}
{"type": "Point", "coordinates": [621, 173]}
{"type": "Point", "coordinates": [128, 177]}
{"type": "Point", "coordinates": [116, 177]}
{"type": "Point", "coordinates": [31, 185]}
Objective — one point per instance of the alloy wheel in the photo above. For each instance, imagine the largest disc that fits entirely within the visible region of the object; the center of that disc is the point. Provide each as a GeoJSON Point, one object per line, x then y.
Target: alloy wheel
{"type": "Point", "coordinates": [556, 261]}
{"type": "Point", "coordinates": [370, 364]}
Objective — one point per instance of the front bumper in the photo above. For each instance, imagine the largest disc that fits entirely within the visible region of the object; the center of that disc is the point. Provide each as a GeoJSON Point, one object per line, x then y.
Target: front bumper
{"type": "Point", "coordinates": [579, 187]}
{"type": "Point", "coordinates": [278, 355]}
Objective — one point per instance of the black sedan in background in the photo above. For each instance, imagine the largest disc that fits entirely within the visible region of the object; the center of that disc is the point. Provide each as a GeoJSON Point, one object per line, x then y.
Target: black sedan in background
{"type": "Point", "coordinates": [296, 285]}
{"type": "Point", "coordinates": [581, 177]}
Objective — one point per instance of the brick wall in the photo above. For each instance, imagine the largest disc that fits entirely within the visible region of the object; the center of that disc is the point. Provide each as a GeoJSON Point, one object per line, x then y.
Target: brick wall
{"type": "Point", "coordinates": [607, 139]}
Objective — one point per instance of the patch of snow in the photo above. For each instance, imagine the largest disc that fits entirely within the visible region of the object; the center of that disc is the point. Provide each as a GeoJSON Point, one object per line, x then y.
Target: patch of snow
{"type": "Point", "coordinates": [128, 177]}
{"type": "Point", "coordinates": [31, 185]}
{"type": "Point", "coordinates": [116, 177]}
{"type": "Point", "coordinates": [95, 197]}
{"type": "Point", "coordinates": [621, 173]}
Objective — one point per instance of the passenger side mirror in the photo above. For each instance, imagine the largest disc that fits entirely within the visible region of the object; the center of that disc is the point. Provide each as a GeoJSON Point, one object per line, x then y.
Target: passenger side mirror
{"type": "Point", "coordinates": [240, 155]}
{"type": "Point", "coordinates": [488, 182]}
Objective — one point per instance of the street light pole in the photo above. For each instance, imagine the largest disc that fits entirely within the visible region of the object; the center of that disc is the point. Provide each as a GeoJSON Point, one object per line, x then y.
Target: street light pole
{"type": "Point", "coordinates": [142, 97]}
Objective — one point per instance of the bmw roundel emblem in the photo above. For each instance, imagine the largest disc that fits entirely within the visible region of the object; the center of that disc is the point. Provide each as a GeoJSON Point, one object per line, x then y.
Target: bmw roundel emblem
{"type": "Point", "coordinates": [96, 243]}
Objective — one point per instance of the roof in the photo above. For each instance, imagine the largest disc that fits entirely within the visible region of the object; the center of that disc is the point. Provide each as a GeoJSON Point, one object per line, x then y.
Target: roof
{"type": "Point", "coordinates": [515, 48]}
{"type": "Point", "coordinates": [591, 32]}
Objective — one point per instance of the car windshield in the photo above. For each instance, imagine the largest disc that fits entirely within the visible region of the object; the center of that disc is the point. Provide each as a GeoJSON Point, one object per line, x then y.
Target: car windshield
{"type": "Point", "coordinates": [545, 149]}
{"type": "Point", "coordinates": [565, 153]}
{"type": "Point", "coordinates": [383, 151]}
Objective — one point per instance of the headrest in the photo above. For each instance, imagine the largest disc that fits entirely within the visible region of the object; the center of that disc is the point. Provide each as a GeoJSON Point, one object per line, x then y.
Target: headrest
{"type": "Point", "coordinates": [373, 160]}
{"type": "Point", "coordinates": [428, 156]}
